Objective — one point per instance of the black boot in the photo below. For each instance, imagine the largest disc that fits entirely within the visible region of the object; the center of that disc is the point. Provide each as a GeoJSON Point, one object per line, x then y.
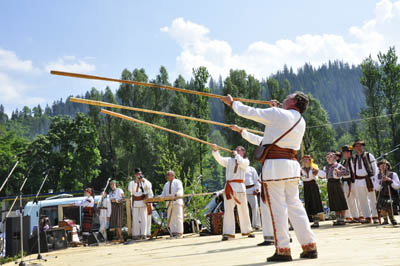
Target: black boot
{"type": "Point", "coordinates": [315, 225]}
{"type": "Point", "coordinates": [266, 243]}
{"type": "Point", "coordinates": [277, 257]}
{"type": "Point", "coordinates": [392, 220]}
{"type": "Point", "coordinates": [312, 254]}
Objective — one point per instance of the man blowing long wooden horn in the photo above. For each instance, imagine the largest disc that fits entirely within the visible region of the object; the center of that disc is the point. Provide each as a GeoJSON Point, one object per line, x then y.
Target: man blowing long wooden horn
{"type": "Point", "coordinates": [284, 130]}
{"type": "Point", "coordinates": [235, 193]}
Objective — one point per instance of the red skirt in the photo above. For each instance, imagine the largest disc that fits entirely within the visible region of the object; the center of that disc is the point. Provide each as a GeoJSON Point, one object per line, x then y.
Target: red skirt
{"type": "Point", "coordinates": [87, 219]}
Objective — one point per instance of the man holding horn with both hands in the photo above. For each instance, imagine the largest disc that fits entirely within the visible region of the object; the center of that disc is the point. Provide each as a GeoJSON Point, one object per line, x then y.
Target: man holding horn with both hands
{"type": "Point", "coordinates": [284, 130]}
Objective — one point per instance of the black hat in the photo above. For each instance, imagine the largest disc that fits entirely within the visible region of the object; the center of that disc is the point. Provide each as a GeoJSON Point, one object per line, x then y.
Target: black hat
{"type": "Point", "coordinates": [347, 148]}
{"type": "Point", "coordinates": [138, 171]}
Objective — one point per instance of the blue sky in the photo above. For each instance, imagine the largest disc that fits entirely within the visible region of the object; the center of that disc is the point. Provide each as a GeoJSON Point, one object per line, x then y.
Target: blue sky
{"type": "Point", "coordinates": [104, 37]}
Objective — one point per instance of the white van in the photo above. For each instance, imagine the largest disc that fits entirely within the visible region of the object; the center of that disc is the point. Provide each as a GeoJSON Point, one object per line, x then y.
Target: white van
{"type": "Point", "coordinates": [58, 208]}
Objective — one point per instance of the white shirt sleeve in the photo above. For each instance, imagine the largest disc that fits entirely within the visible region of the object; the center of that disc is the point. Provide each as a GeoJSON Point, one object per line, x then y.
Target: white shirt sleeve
{"type": "Point", "coordinates": [252, 138]}
{"type": "Point", "coordinates": [322, 173]}
{"type": "Point", "coordinates": [242, 162]}
{"type": "Point", "coordinates": [263, 116]}
{"type": "Point", "coordinates": [164, 192]}
{"type": "Point", "coordinates": [396, 181]}
{"type": "Point", "coordinates": [150, 189]}
{"type": "Point", "coordinates": [130, 187]}
{"type": "Point", "coordinates": [255, 180]}
{"type": "Point", "coordinates": [179, 191]}
{"type": "Point", "coordinates": [221, 160]}
{"type": "Point", "coordinates": [374, 166]}
{"type": "Point", "coordinates": [108, 206]}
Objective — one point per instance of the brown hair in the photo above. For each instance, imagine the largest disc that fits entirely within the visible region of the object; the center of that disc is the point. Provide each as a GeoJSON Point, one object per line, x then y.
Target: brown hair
{"type": "Point", "coordinates": [301, 101]}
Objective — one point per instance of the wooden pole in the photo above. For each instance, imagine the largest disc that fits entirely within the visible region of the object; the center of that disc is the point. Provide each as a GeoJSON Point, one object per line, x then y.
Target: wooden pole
{"type": "Point", "coordinates": [158, 199]}
{"type": "Point", "coordinates": [162, 128]}
{"type": "Point", "coordinates": [84, 76]}
{"type": "Point", "coordinates": [111, 105]}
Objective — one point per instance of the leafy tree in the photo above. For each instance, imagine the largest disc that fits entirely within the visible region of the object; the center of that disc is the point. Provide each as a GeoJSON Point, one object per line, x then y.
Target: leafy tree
{"type": "Point", "coordinates": [390, 84]}
{"type": "Point", "coordinates": [70, 149]}
{"type": "Point", "coordinates": [375, 123]}
{"type": "Point", "coordinates": [319, 137]}
{"type": "Point", "coordinates": [201, 109]}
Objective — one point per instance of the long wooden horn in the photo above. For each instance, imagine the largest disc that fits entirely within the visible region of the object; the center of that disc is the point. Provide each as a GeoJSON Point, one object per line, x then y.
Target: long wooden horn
{"type": "Point", "coordinates": [84, 76]}
{"type": "Point", "coordinates": [162, 128]}
{"type": "Point", "coordinates": [112, 105]}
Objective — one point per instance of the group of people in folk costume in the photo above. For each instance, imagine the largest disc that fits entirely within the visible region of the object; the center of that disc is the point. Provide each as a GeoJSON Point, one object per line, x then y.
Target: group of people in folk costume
{"type": "Point", "coordinates": [110, 207]}
{"type": "Point", "coordinates": [359, 188]}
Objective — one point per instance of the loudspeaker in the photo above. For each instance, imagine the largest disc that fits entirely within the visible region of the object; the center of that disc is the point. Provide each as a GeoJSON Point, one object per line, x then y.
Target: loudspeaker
{"type": "Point", "coordinates": [56, 239]}
{"type": "Point", "coordinates": [95, 238]}
{"type": "Point", "coordinates": [49, 240]}
{"type": "Point", "coordinates": [13, 236]}
{"type": "Point", "coordinates": [33, 244]}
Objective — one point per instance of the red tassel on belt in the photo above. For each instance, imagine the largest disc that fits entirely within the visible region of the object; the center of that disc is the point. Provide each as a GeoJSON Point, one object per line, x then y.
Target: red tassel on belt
{"type": "Point", "coordinates": [229, 190]}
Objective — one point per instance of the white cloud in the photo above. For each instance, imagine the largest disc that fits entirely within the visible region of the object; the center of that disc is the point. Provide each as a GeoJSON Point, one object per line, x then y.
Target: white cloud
{"type": "Point", "coordinates": [263, 58]}
{"type": "Point", "coordinates": [70, 64]}
{"type": "Point", "coordinates": [15, 92]}
{"type": "Point", "coordinates": [10, 62]}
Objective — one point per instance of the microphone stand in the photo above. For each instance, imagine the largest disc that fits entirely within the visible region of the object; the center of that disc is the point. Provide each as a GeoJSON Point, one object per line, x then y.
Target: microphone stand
{"type": "Point", "coordinates": [12, 170]}
{"type": "Point", "coordinates": [39, 257]}
{"type": "Point", "coordinates": [21, 221]}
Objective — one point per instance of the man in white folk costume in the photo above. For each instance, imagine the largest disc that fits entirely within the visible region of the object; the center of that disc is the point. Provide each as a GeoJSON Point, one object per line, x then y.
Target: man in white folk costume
{"type": "Point", "coordinates": [174, 188]}
{"type": "Point", "coordinates": [352, 214]}
{"type": "Point", "coordinates": [140, 189]}
{"type": "Point", "coordinates": [235, 193]}
{"type": "Point", "coordinates": [104, 211]}
{"type": "Point", "coordinates": [265, 213]}
{"type": "Point", "coordinates": [365, 170]}
{"type": "Point", "coordinates": [284, 130]}
{"type": "Point", "coordinates": [252, 190]}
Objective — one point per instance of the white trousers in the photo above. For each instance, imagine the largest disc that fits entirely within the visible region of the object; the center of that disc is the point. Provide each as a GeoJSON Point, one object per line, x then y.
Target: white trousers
{"type": "Point", "coordinates": [139, 221]}
{"type": "Point", "coordinates": [149, 220]}
{"type": "Point", "coordinates": [266, 221]}
{"type": "Point", "coordinates": [351, 200]}
{"type": "Point", "coordinates": [372, 203]}
{"type": "Point", "coordinates": [285, 203]}
{"type": "Point", "coordinates": [229, 215]}
{"type": "Point", "coordinates": [175, 211]}
{"type": "Point", "coordinates": [103, 223]}
{"type": "Point", "coordinates": [255, 211]}
{"type": "Point", "coordinates": [362, 196]}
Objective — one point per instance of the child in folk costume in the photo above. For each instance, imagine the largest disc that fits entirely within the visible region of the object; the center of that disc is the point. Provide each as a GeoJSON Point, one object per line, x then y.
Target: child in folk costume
{"type": "Point", "coordinates": [387, 184]}
{"type": "Point", "coordinates": [87, 204]}
{"type": "Point", "coordinates": [116, 197]}
{"type": "Point", "coordinates": [140, 190]}
{"type": "Point", "coordinates": [235, 193]}
{"type": "Point", "coordinates": [174, 188]}
{"type": "Point", "coordinates": [333, 172]}
{"type": "Point", "coordinates": [104, 210]}
{"type": "Point", "coordinates": [312, 197]}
